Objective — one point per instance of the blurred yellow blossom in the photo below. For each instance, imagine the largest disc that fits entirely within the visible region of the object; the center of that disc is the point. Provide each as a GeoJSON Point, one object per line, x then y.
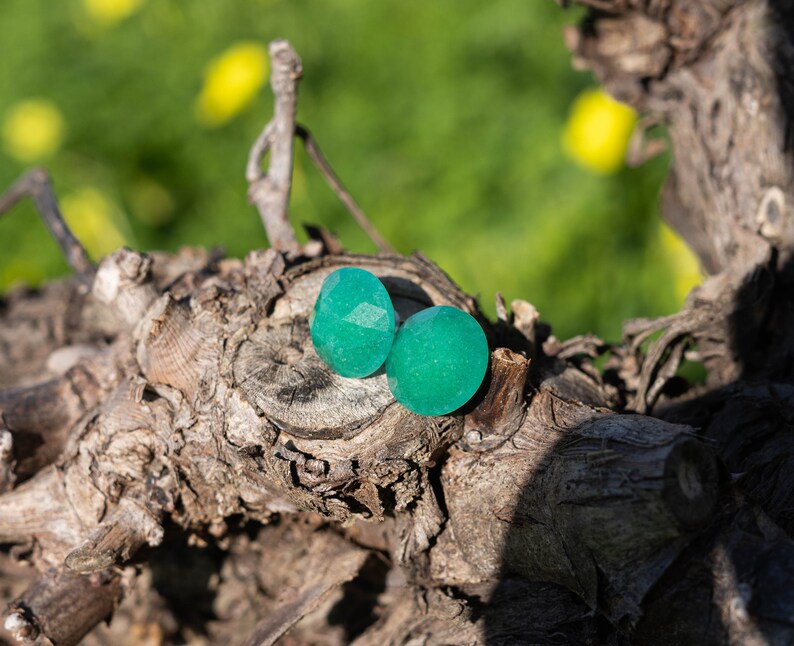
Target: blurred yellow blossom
{"type": "Point", "coordinates": [231, 82]}
{"type": "Point", "coordinates": [32, 130]}
{"type": "Point", "coordinates": [93, 220]}
{"type": "Point", "coordinates": [682, 260]}
{"type": "Point", "coordinates": [110, 12]}
{"type": "Point", "coordinates": [598, 131]}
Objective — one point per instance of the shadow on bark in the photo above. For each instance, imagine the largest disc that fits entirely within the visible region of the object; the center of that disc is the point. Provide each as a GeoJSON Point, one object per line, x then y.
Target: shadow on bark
{"type": "Point", "coordinates": [729, 581]}
{"type": "Point", "coordinates": [356, 610]}
{"type": "Point", "coordinates": [183, 576]}
{"type": "Point", "coordinates": [783, 11]}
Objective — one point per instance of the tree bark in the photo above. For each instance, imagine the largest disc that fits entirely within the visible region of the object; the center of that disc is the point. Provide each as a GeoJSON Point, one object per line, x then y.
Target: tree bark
{"type": "Point", "coordinates": [173, 452]}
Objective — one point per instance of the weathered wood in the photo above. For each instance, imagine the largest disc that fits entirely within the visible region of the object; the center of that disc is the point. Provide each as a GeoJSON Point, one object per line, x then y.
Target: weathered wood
{"type": "Point", "coordinates": [750, 426]}
{"type": "Point", "coordinates": [541, 511]}
{"type": "Point", "coordinates": [37, 186]}
{"type": "Point", "coordinates": [189, 437]}
{"type": "Point", "coordinates": [40, 418]}
{"type": "Point", "coordinates": [63, 607]}
{"type": "Point", "coordinates": [35, 324]}
{"type": "Point", "coordinates": [721, 591]}
{"type": "Point", "coordinates": [270, 192]}
{"type": "Point", "coordinates": [598, 503]}
{"type": "Point", "coordinates": [331, 563]}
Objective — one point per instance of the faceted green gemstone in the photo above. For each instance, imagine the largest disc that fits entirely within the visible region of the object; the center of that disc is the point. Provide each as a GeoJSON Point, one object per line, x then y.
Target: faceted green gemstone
{"type": "Point", "coordinates": [352, 323]}
{"type": "Point", "coordinates": [438, 360]}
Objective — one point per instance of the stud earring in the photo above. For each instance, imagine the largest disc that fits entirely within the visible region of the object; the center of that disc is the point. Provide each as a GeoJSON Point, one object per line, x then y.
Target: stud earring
{"type": "Point", "coordinates": [438, 360]}
{"type": "Point", "coordinates": [352, 323]}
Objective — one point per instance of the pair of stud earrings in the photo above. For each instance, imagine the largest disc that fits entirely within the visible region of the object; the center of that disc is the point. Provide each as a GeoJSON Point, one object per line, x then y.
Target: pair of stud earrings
{"type": "Point", "coordinates": [435, 361]}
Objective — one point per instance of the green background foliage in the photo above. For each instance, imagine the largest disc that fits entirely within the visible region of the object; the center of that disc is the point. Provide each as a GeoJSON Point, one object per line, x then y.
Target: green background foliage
{"type": "Point", "coordinates": [443, 118]}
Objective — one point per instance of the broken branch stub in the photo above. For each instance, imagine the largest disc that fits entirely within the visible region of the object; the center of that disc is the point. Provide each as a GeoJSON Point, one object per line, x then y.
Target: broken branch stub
{"type": "Point", "coordinates": [63, 607]}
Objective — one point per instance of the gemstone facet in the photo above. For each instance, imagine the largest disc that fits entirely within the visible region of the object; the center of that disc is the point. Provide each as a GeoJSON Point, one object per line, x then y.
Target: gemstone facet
{"type": "Point", "coordinates": [352, 323]}
{"type": "Point", "coordinates": [438, 360]}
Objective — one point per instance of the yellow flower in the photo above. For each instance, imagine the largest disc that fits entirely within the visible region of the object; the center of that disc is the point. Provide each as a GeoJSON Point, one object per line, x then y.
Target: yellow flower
{"type": "Point", "coordinates": [93, 219]}
{"type": "Point", "coordinates": [682, 260]}
{"type": "Point", "coordinates": [598, 131]}
{"type": "Point", "coordinates": [110, 12]}
{"type": "Point", "coordinates": [231, 82]}
{"type": "Point", "coordinates": [32, 130]}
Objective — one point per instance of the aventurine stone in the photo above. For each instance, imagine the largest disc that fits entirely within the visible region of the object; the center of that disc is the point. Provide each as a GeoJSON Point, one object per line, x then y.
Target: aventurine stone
{"type": "Point", "coordinates": [352, 323]}
{"type": "Point", "coordinates": [438, 360]}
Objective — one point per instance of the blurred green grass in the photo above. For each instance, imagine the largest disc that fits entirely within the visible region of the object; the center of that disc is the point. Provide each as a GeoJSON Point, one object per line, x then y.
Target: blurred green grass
{"type": "Point", "coordinates": [444, 119]}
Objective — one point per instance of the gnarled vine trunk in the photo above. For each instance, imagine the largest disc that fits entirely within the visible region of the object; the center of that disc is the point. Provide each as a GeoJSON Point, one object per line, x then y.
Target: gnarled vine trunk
{"type": "Point", "coordinates": [174, 455]}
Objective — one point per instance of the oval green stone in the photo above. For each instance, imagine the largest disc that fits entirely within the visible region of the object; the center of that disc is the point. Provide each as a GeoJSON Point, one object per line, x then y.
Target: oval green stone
{"type": "Point", "coordinates": [438, 360]}
{"type": "Point", "coordinates": [352, 323]}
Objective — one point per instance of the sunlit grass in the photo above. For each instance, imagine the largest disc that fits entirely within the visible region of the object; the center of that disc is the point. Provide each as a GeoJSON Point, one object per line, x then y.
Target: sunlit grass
{"type": "Point", "coordinates": [446, 120]}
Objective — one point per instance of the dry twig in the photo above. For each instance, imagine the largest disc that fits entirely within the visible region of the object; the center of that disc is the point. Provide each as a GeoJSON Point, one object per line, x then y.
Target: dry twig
{"type": "Point", "coordinates": [270, 192]}
{"type": "Point", "coordinates": [36, 185]}
{"type": "Point", "coordinates": [339, 190]}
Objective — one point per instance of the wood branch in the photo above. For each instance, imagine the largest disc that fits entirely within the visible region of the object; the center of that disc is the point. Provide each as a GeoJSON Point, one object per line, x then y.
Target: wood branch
{"type": "Point", "coordinates": [718, 73]}
{"type": "Point", "coordinates": [733, 569]}
{"type": "Point", "coordinates": [316, 155]}
{"type": "Point", "coordinates": [40, 418]}
{"type": "Point", "coordinates": [63, 607]}
{"type": "Point", "coordinates": [124, 282]}
{"type": "Point", "coordinates": [743, 421]}
{"type": "Point", "coordinates": [20, 517]}
{"type": "Point", "coordinates": [336, 563]}
{"type": "Point", "coordinates": [37, 186]}
{"type": "Point", "coordinates": [713, 71]}
{"type": "Point", "coordinates": [270, 192]}
{"type": "Point", "coordinates": [232, 433]}
{"type": "Point", "coordinates": [130, 525]}
{"type": "Point", "coordinates": [541, 502]}
{"type": "Point", "coordinates": [503, 407]}
{"type": "Point", "coordinates": [600, 504]}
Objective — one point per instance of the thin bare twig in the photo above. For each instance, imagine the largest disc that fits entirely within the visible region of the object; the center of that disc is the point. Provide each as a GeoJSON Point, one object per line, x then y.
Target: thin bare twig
{"type": "Point", "coordinates": [36, 185]}
{"type": "Point", "coordinates": [270, 191]}
{"type": "Point", "coordinates": [339, 190]}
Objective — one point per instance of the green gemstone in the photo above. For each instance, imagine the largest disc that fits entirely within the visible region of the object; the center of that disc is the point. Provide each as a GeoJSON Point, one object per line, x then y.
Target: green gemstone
{"type": "Point", "coordinates": [352, 323]}
{"type": "Point", "coordinates": [438, 360]}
